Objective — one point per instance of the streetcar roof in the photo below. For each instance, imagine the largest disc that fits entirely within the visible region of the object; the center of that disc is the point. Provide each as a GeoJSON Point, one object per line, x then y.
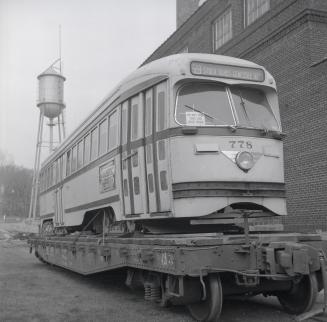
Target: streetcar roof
{"type": "Point", "coordinates": [167, 66]}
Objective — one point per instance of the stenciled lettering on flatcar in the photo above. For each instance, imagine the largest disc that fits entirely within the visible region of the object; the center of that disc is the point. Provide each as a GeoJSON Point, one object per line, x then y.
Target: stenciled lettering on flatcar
{"type": "Point", "coordinates": [241, 144]}
{"type": "Point", "coordinates": [167, 259]}
{"type": "Point", "coordinates": [107, 177]}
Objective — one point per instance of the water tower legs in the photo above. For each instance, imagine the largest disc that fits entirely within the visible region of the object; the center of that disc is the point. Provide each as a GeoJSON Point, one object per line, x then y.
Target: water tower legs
{"type": "Point", "coordinates": [35, 183]}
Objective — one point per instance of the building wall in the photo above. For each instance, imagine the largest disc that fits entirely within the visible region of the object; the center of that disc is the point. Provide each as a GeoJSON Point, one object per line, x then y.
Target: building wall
{"type": "Point", "coordinates": [185, 9]}
{"type": "Point", "coordinates": [290, 40]}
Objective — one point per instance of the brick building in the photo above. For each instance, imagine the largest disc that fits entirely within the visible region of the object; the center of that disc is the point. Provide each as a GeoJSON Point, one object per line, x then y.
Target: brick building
{"type": "Point", "coordinates": [289, 38]}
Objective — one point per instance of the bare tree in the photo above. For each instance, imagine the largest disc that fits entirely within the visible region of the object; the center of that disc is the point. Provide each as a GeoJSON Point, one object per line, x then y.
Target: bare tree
{"type": "Point", "coordinates": [15, 188]}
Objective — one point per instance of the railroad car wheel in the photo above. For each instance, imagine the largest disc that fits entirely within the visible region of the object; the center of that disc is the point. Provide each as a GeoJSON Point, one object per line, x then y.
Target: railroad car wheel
{"type": "Point", "coordinates": [301, 297]}
{"type": "Point", "coordinates": [209, 310]}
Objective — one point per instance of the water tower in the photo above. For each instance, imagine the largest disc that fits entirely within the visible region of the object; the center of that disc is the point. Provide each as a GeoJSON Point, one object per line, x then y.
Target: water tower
{"type": "Point", "coordinates": [51, 105]}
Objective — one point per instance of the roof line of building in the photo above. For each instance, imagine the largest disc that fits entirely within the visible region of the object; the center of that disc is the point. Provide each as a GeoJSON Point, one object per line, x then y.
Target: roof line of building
{"type": "Point", "coordinates": [177, 30]}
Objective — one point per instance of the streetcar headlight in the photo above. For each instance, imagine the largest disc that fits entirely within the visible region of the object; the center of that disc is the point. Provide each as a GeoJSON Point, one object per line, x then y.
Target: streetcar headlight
{"type": "Point", "coordinates": [245, 160]}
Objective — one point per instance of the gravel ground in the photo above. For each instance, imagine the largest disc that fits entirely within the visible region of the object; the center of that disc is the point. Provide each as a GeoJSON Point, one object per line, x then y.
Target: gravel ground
{"type": "Point", "coordinates": [35, 292]}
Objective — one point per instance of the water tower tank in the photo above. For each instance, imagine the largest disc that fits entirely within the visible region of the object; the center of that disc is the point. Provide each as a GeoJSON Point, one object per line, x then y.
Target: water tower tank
{"type": "Point", "coordinates": [51, 93]}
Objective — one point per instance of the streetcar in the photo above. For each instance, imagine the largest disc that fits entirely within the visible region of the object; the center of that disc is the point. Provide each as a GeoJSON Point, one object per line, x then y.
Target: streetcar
{"type": "Point", "coordinates": [187, 143]}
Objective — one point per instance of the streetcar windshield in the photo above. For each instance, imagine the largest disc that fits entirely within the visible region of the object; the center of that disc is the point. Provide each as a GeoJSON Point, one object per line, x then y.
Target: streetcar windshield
{"type": "Point", "coordinates": [253, 109]}
{"type": "Point", "coordinates": [205, 104]}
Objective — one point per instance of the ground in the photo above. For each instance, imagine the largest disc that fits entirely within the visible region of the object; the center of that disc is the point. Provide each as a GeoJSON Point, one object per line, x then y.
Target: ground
{"type": "Point", "coordinates": [31, 291]}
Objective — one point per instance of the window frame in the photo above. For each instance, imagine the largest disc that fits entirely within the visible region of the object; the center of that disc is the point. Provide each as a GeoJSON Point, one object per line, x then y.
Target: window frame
{"type": "Point", "coordinates": [95, 129]}
{"type": "Point", "coordinates": [246, 12]}
{"type": "Point", "coordinates": [80, 144]}
{"type": "Point", "coordinates": [214, 29]}
{"type": "Point", "coordinates": [105, 145]}
{"type": "Point", "coordinates": [180, 87]}
{"type": "Point", "coordinates": [113, 115]}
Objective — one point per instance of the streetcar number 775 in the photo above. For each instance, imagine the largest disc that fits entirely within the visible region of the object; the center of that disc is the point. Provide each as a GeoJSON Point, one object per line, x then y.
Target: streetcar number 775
{"type": "Point", "coordinates": [241, 144]}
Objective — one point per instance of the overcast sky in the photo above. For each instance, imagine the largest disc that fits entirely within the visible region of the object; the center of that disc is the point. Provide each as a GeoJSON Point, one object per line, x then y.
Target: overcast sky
{"type": "Point", "coordinates": [102, 42]}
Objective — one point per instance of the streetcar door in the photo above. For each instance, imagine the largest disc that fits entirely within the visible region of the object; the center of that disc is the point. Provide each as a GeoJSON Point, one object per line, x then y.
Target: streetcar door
{"type": "Point", "coordinates": [133, 157]}
{"type": "Point", "coordinates": [137, 155]}
{"type": "Point", "coordinates": [156, 120]}
{"type": "Point", "coordinates": [125, 157]}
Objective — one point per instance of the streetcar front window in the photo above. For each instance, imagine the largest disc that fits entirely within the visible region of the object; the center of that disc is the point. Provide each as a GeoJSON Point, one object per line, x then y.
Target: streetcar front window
{"type": "Point", "coordinates": [208, 104]}
{"type": "Point", "coordinates": [203, 104]}
{"type": "Point", "coordinates": [253, 109]}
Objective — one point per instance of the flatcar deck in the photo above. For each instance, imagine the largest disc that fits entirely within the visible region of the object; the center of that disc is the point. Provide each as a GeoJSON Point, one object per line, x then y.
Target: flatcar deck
{"type": "Point", "coordinates": [192, 255]}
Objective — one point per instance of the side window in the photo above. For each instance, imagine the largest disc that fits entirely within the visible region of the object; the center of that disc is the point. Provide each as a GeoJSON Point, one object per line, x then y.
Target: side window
{"type": "Point", "coordinates": [51, 175]}
{"type": "Point", "coordinates": [135, 123]}
{"type": "Point", "coordinates": [54, 173]}
{"type": "Point", "coordinates": [150, 183]}
{"type": "Point", "coordinates": [124, 123]}
{"type": "Point", "coordinates": [135, 159]}
{"type": "Point", "coordinates": [161, 150]}
{"type": "Point", "coordinates": [68, 163]}
{"type": "Point", "coordinates": [161, 107]}
{"type": "Point", "coordinates": [136, 182]}
{"type": "Point", "coordinates": [125, 185]}
{"type": "Point", "coordinates": [163, 180]}
{"type": "Point", "coordinates": [74, 159]}
{"type": "Point", "coordinates": [80, 155]}
{"type": "Point", "coordinates": [58, 171]}
{"type": "Point", "coordinates": [148, 113]}
{"type": "Point", "coordinates": [63, 174]}
{"type": "Point", "coordinates": [103, 128]}
{"type": "Point", "coordinates": [87, 150]}
{"type": "Point", "coordinates": [94, 144]}
{"type": "Point", "coordinates": [48, 178]}
{"type": "Point", "coordinates": [113, 130]}
{"type": "Point", "coordinates": [61, 167]}
{"type": "Point", "coordinates": [149, 153]}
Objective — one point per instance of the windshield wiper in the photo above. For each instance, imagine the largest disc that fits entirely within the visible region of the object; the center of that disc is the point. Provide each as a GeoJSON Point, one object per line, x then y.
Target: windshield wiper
{"type": "Point", "coordinates": [242, 103]}
{"type": "Point", "coordinates": [203, 113]}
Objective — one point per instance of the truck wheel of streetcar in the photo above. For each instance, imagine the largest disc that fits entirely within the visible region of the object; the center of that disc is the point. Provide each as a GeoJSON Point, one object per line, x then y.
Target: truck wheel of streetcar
{"type": "Point", "coordinates": [47, 228]}
{"type": "Point", "coordinates": [302, 295]}
{"type": "Point", "coordinates": [209, 310]}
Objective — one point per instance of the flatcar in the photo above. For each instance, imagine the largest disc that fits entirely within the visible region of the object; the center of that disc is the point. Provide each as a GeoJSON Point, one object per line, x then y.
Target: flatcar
{"type": "Point", "coordinates": [167, 178]}
{"type": "Point", "coordinates": [187, 143]}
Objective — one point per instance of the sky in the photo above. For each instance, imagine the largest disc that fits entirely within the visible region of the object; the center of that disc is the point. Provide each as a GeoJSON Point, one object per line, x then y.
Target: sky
{"type": "Point", "coordinates": [102, 42]}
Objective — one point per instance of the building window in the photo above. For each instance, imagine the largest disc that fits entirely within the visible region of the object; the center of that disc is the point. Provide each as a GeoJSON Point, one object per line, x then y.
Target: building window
{"type": "Point", "coordinates": [255, 9]}
{"type": "Point", "coordinates": [222, 29]}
